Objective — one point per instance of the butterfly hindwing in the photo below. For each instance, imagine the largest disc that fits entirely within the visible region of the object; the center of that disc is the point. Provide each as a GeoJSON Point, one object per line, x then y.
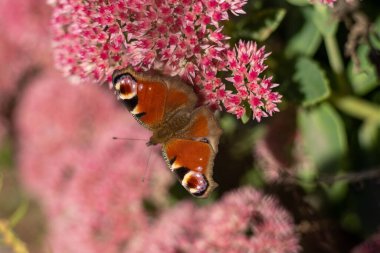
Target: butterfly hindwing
{"type": "Point", "coordinates": [191, 161]}
{"type": "Point", "coordinates": [191, 157]}
{"type": "Point", "coordinates": [203, 127]}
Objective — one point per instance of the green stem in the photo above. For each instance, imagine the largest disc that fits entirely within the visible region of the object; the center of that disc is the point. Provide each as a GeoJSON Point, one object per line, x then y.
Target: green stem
{"type": "Point", "coordinates": [1, 180]}
{"type": "Point", "coordinates": [335, 60]}
{"type": "Point", "coordinates": [333, 53]}
{"type": "Point", "coordinates": [358, 108]}
{"type": "Point", "coordinates": [19, 213]}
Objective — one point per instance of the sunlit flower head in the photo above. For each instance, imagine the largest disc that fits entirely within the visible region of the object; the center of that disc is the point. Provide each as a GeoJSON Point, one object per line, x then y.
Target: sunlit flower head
{"type": "Point", "coordinates": [183, 38]}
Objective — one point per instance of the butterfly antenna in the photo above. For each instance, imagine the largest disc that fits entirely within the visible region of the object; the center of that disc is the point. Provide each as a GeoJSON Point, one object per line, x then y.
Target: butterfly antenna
{"type": "Point", "coordinates": [147, 167]}
{"type": "Point", "coordinates": [128, 139]}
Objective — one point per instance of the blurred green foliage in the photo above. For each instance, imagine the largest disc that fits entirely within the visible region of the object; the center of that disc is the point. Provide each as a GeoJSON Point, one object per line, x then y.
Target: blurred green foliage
{"type": "Point", "coordinates": [337, 108]}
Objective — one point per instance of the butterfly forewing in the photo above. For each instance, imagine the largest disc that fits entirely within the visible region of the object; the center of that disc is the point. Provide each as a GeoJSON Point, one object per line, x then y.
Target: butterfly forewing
{"type": "Point", "coordinates": [191, 155]}
{"type": "Point", "coordinates": [151, 97]}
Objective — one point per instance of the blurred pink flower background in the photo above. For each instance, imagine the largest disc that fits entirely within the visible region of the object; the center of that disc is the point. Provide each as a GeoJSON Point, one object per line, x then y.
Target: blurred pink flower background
{"type": "Point", "coordinates": [24, 41]}
{"type": "Point", "coordinates": [243, 221]}
{"type": "Point", "coordinates": [89, 185]}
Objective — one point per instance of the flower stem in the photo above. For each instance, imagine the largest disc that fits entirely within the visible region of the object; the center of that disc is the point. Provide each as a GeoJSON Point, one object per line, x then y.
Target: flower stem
{"type": "Point", "coordinates": [336, 62]}
{"type": "Point", "coordinates": [19, 213]}
{"type": "Point", "coordinates": [333, 53]}
{"type": "Point", "coordinates": [358, 108]}
{"type": "Point", "coordinates": [10, 239]}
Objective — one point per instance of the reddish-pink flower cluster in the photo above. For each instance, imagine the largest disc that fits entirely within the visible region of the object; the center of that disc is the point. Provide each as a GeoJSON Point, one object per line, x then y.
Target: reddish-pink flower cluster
{"type": "Point", "coordinates": [89, 185]}
{"type": "Point", "coordinates": [247, 221]}
{"type": "Point", "coordinates": [328, 2]}
{"type": "Point", "coordinates": [92, 38]}
{"type": "Point", "coordinates": [243, 221]}
{"type": "Point", "coordinates": [371, 245]}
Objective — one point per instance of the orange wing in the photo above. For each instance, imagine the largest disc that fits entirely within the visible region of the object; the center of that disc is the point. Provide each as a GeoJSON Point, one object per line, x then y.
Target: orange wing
{"type": "Point", "coordinates": [151, 97]}
{"type": "Point", "coordinates": [191, 155]}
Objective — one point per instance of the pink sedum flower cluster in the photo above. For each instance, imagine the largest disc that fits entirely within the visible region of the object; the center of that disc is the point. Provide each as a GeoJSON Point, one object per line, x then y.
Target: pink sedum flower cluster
{"type": "Point", "coordinates": [328, 2]}
{"type": "Point", "coordinates": [243, 221]}
{"type": "Point", "coordinates": [247, 63]}
{"type": "Point", "coordinates": [371, 245]}
{"type": "Point", "coordinates": [92, 38]}
{"type": "Point", "coordinates": [247, 221]}
{"type": "Point", "coordinates": [172, 232]}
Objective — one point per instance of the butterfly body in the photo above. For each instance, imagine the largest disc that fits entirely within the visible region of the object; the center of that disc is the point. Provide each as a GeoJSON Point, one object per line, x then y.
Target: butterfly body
{"type": "Point", "coordinates": [189, 135]}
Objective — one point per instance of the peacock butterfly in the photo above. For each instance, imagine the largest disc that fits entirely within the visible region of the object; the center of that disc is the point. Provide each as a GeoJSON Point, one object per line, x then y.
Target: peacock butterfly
{"type": "Point", "coordinates": [189, 135]}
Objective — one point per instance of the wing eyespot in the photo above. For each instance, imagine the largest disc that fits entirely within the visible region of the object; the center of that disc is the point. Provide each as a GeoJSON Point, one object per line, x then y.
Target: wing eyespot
{"type": "Point", "coordinates": [120, 74]}
{"type": "Point", "coordinates": [196, 183]}
{"type": "Point", "coordinates": [125, 86]}
{"type": "Point", "coordinates": [130, 103]}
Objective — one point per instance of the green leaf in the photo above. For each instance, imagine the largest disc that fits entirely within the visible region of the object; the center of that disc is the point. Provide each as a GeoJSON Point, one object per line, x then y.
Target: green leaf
{"type": "Point", "coordinates": [336, 192]}
{"type": "Point", "coordinates": [1, 180]}
{"type": "Point", "coordinates": [245, 118]}
{"type": "Point", "coordinates": [19, 213]}
{"type": "Point", "coordinates": [369, 133]}
{"type": "Point", "coordinates": [228, 124]}
{"type": "Point", "coordinates": [351, 222]}
{"type": "Point", "coordinates": [374, 35]}
{"type": "Point", "coordinates": [313, 83]}
{"type": "Point", "coordinates": [269, 20]}
{"type": "Point", "coordinates": [362, 80]}
{"type": "Point", "coordinates": [247, 115]}
{"type": "Point", "coordinates": [305, 42]}
{"type": "Point", "coordinates": [358, 108]}
{"type": "Point", "coordinates": [254, 177]}
{"type": "Point", "coordinates": [258, 26]}
{"type": "Point", "coordinates": [321, 16]}
{"type": "Point", "coordinates": [306, 176]}
{"type": "Point", "coordinates": [299, 2]}
{"type": "Point", "coordinates": [6, 153]}
{"type": "Point", "coordinates": [324, 137]}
